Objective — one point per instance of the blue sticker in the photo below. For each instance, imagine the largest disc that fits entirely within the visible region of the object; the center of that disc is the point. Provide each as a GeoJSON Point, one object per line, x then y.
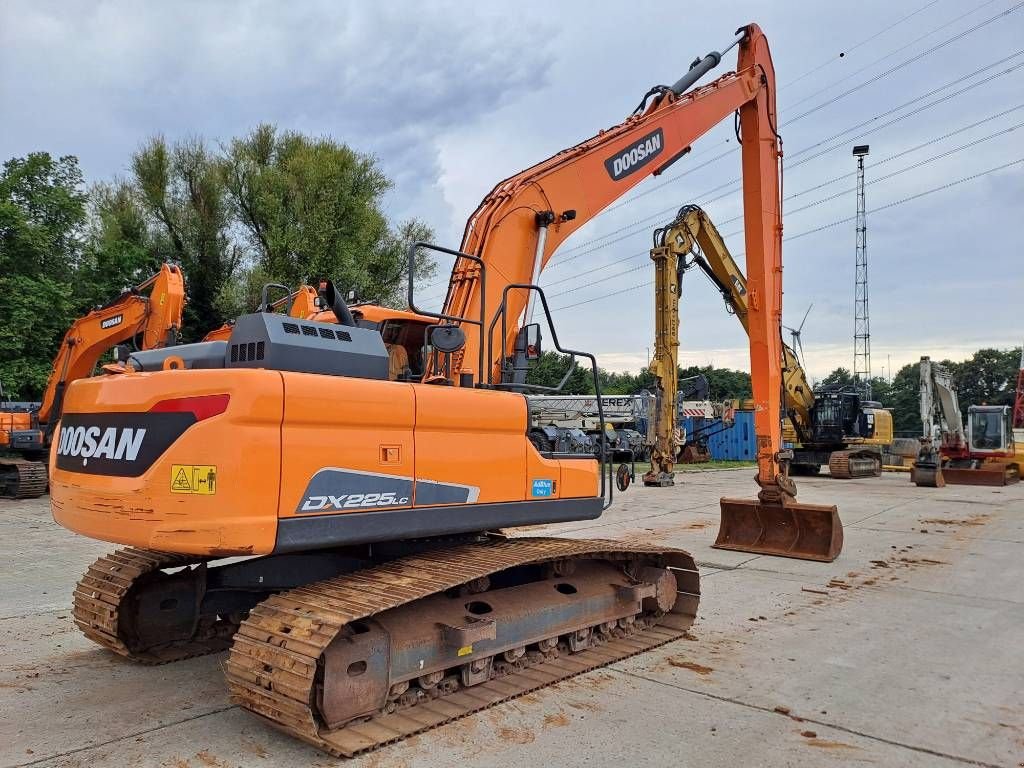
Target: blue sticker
{"type": "Point", "coordinates": [543, 487]}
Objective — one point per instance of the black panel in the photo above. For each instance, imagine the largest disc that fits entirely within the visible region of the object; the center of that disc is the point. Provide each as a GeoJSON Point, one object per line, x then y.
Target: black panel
{"type": "Point", "coordinates": [297, 534]}
{"type": "Point", "coordinates": [120, 444]}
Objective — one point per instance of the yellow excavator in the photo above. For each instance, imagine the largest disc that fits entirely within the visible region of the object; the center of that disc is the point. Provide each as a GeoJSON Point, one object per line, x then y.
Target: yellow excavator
{"type": "Point", "coordinates": [150, 313]}
{"type": "Point", "coordinates": [825, 427]}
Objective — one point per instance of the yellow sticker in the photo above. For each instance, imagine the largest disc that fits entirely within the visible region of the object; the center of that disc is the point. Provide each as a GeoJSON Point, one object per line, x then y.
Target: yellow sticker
{"type": "Point", "coordinates": [465, 650]}
{"type": "Point", "coordinates": [194, 478]}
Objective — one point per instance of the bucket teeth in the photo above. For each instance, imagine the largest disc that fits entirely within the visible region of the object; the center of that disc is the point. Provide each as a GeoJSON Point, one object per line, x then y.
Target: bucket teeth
{"type": "Point", "coordinates": [802, 531]}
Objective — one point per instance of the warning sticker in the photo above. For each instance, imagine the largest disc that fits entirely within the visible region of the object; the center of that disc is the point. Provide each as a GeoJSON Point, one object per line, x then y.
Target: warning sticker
{"type": "Point", "coordinates": [194, 478]}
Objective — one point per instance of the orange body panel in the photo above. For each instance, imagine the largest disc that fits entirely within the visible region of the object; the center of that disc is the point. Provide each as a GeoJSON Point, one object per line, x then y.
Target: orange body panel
{"type": "Point", "coordinates": [13, 421]}
{"type": "Point", "coordinates": [473, 437]}
{"type": "Point", "coordinates": [243, 443]}
{"type": "Point", "coordinates": [343, 423]}
{"type": "Point", "coordinates": [278, 431]}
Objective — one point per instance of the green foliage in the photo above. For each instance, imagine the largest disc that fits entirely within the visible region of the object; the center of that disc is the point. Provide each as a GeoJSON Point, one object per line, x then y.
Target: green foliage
{"type": "Point", "coordinates": [42, 215]}
{"type": "Point", "coordinates": [989, 377]}
{"type": "Point", "coordinates": [42, 212]}
{"type": "Point", "coordinates": [311, 209]}
{"type": "Point", "coordinates": [723, 383]}
{"type": "Point", "coordinates": [272, 207]}
{"type": "Point", "coordinates": [549, 370]}
{"type": "Point", "coordinates": [182, 193]}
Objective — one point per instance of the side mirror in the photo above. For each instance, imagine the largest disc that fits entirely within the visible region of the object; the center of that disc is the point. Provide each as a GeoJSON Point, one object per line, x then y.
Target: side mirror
{"type": "Point", "coordinates": [531, 341]}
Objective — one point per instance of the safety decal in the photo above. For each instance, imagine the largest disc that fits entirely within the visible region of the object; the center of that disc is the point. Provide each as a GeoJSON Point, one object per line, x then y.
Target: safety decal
{"type": "Point", "coordinates": [199, 479]}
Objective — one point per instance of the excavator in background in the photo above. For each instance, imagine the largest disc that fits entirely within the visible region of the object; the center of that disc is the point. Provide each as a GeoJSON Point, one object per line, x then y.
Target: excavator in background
{"type": "Point", "coordinates": [377, 596]}
{"type": "Point", "coordinates": [805, 531]}
{"type": "Point", "coordinates": [986, 454]}
{"type": "Point", "coordinates": [829, 427]}
{"type": "Point", "coordinates": [150, 313]}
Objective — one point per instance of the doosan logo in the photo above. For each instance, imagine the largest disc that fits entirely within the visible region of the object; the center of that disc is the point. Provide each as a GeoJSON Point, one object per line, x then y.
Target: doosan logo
{"type": "Point", "coordinates": [635, 156]}
{"type": "Point", "coordinates": [110, 443]}
{"type": "Point", "coordinates": [110, 322]}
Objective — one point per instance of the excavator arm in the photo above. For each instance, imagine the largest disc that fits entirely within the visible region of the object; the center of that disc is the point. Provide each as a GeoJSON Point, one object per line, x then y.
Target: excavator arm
{"type": "Point", "coordinates": [691, 239]}
{"type": "Point", "coordinates": [694, 234]}
{"type": "Point", "coordinates": [517, 228]}
{"type": "Point", "coordinates": [151, 311]}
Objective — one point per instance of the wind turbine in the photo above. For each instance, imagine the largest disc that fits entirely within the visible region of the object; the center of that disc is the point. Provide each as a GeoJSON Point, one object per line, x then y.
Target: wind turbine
{"type": "Point", "coordinates": [798, 345]}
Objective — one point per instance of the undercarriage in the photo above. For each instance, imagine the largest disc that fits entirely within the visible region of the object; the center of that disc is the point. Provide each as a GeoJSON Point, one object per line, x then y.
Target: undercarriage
{"type": "Point", "coordinates": [353, 649]}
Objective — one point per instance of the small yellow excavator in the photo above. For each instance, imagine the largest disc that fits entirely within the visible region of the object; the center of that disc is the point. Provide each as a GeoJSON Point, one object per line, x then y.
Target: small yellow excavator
{"type": "Point", "coordinates": [150, 313]}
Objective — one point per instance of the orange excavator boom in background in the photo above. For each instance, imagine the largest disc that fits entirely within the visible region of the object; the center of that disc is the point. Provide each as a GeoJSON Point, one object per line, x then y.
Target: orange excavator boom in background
{"type": "Point", "coordinates": [369, 457]}
{"type": "Point", "coordinates": [150, 313]}
{"type": "Point", "coordinates": [304, 303]}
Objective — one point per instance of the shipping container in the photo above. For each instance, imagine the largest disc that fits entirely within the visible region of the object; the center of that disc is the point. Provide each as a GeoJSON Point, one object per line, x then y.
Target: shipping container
{"type": "Point", "coordinates": [737, 443]}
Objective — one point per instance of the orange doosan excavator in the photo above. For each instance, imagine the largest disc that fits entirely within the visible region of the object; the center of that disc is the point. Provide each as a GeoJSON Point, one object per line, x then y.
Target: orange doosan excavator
{"type": "Point", "coordinates": [150, 313]}
{"type": "Point", "coordinates": [370, 462]}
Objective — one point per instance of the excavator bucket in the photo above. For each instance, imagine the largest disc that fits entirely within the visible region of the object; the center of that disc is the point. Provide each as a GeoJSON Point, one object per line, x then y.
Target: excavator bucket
{"type": "Point", "coordinates": [803, 531]}
{"type": "Point", "coordinates": [927, 475]}
{"type": "Point", "coordinates": [989, 473]}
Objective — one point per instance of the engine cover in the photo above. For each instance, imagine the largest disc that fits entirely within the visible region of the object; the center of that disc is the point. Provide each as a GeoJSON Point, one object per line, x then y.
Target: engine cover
{"type": "Point", "coordinates": [282, 343]}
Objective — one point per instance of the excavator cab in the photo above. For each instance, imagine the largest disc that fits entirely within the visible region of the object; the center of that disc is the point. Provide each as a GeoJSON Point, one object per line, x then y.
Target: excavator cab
{"type": "Point", "coordinates": [990, 430]}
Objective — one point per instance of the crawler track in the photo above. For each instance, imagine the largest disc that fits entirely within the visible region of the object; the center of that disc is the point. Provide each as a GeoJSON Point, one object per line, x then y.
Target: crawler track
{"type": "Point", "coordinates": [21, 479]}
{"type": "Point", "coordinates": [102, 599]}
{"type": "Point", "coordinates": [854, 463]}
{"type": "Point", "coordinates": [275, 667]}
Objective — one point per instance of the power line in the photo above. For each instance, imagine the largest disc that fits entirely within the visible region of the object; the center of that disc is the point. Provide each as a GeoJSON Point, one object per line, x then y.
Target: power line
{"type": "Point", "coordinates": [632, 227]}
{"type": "Point", "coordinates": [827, 87]}
{"type": "Point", "coordinates": [820, 106]}
{"type": "Point", "coordinates": [820, 201]}
{"type": "Point", "coordinates": [892, 53]}
{"type": "Point", "coordinates": [905, 63]}
{"type": "Point", "coordinates": [881, 32]}
{"type": "Point", "coordinates": [823, 227]}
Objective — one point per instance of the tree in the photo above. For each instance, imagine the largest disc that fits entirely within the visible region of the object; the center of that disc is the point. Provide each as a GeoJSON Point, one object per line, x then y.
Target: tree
{"type": "Point", "coordinates": [989, 377]}
{"type": "Point", "coordinates": [903, 398]}
{"type": "Point", "coordinates": [42, 215]}
{"type": "Point", "coordinates": [723, 383]}
{"type": "Point", "coordinates": [311, 209]}
{"type": "Point", "coordinates": [840, 378]}
{"type": "Point", "coordinates": [120, 250]}
{"type": "Point", "coordinates": [182, 191]}
{"type": "Point", "coordinates": [549, 370]}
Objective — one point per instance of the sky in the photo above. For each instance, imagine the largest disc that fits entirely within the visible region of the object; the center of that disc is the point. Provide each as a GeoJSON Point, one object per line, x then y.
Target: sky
{"type": "Point", "coordinates": [454, 97]}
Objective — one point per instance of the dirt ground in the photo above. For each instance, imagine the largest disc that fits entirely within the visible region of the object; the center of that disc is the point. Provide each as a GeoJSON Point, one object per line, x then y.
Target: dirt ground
{"type": "Point", "coordinates": [906, 651]}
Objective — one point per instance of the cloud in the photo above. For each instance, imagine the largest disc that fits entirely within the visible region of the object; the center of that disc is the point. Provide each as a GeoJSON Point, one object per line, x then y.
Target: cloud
{"type": "Point", "coordinates": [454, 97]}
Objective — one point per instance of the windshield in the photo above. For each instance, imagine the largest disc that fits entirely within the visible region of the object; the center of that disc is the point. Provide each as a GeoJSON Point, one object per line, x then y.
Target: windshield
{"type": "Point", "coordinates": [987, 430]}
